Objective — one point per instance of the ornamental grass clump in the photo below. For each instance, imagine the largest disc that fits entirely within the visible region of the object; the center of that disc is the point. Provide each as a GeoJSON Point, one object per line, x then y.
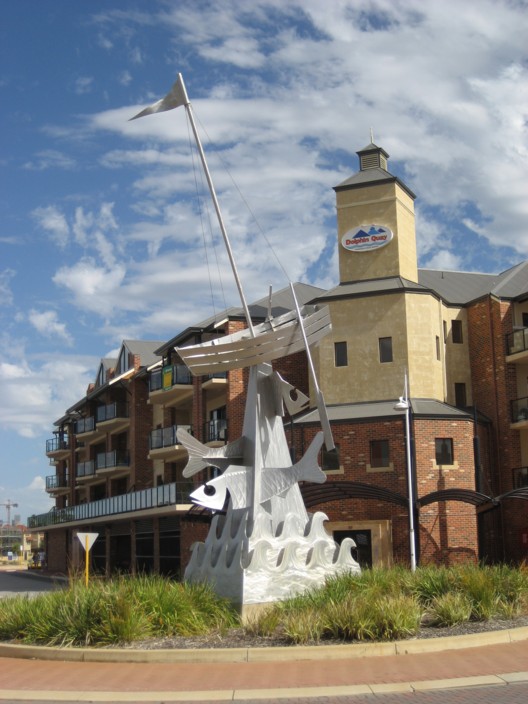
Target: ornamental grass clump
{"type": "Point", "coordinates": [449, 609]}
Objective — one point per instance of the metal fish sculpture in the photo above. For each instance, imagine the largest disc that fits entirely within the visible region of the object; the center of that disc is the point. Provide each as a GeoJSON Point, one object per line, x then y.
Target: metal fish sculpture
{"type": "Point", "coordinates": [202, 456]}
{"type": "Point", "coordinates": [274, 480]}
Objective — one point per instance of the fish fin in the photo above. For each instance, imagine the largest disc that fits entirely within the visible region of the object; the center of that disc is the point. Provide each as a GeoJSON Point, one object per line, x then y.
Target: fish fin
{"type": "Point", "coordinates": [197, 451]}
{"type": "Point", "coordinates": [308, 464]}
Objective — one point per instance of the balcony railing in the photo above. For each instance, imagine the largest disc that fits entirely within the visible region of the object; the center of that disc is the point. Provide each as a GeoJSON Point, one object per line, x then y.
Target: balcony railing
{"type": "Point", "coordinates": [165, 437]}
{"type": "Point", "coordinates": [216, 375]}
{"type": "Point", "coordinates": [517, 341]}
{"type": "Point", "coordinates": [520, 477]}
{"type": "Point", "coordinates": [85, 469]}
{"type": "Point", "coordinates": [169, 376]}
{"type": "Point", "coordinates": [114, 458]}
{"type": "Point", "coordinates": [519, 410]}
{"type": "Point", "coordinates": [56, 482]}
{"type": "Point", "coordinates": [166, 495]}
{"type": "Point", "coordinates": [111, 411]}
{"type": "Point", "coordinates": [215, 430]}
{"type": "Point", "coordinates": [56, 444]}
{"type": "Point", "coordinates": [85, 425]}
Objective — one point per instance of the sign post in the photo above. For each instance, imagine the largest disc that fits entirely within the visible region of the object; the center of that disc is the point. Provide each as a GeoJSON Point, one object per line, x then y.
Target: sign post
{"type": "Point", "coordinates": [87, 540]}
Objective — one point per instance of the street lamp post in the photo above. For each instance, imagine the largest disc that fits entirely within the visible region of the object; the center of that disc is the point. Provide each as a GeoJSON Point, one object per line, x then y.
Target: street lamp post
{"type": "Point", "coordinates": [404, 405]}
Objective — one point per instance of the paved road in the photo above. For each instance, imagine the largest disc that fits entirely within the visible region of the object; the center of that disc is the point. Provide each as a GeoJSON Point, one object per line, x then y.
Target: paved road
{"type": "Point", "coordinates": [17, 582]}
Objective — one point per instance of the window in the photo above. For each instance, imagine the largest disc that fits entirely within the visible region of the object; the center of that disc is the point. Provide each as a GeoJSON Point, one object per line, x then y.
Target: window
{"type": "Point", "coordinates": [525, 320]}
{"type": "Point", "coordinates": [444, 324]}
{"type": "Point", "coordinates": [456, 331]}
{"type": "Point", "coordinates": [379, 453]}
{"type": "Point", "coordinates": [385, 349]}
{"type": "Point", "coordinates": [340, 354]}
{"type": "Point", "coordinates": [520, 477]}
{"type": "Point", "coordinates": [460, 395]}
{"type": "Point", "coordinates": [437, 347]}
{"type": "Point", "coordinates": [444, 451]}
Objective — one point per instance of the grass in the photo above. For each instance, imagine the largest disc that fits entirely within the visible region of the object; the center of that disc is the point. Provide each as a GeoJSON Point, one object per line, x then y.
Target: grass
{"type": "Point", "coordinates": [376, 605]}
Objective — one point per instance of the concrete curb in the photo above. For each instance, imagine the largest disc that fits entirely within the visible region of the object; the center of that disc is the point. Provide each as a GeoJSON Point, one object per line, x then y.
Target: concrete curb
{"type": "Point", "coordinates": [255, 655]}
{"type": "Point", "coordinates": [235, 695]}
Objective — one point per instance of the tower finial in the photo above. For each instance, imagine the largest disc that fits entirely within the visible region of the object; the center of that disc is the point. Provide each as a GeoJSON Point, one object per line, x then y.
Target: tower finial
{"type": "Point", "coordinates": [371, 136]}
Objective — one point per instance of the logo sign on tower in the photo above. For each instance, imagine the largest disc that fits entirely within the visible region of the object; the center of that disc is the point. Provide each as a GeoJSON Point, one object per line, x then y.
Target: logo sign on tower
{"type": "Point", "coordinates": [366, 238]}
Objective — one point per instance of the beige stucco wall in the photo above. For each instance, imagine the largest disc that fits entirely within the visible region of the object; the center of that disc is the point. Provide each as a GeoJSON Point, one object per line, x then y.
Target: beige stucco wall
{"type": "Point", "coordinates": [413, 321]}
{"type": "Point", "coordinates": [457, 366]}
{"type": "Point", "coordinates": [388, 205]}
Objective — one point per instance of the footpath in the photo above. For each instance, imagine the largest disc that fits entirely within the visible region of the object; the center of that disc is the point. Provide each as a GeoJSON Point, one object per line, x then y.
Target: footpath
{"type": "Point", "coordinates": [236, 674]}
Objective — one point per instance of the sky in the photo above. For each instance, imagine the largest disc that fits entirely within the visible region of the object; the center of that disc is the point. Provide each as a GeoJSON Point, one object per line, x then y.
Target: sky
{"type": "Point", "coordinates": [106, 232]}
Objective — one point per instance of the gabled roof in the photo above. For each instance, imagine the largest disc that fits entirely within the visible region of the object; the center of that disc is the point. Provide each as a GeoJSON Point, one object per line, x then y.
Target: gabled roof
{"type": "Point", "coordinates": [461, 287]}
{"type": "Point", "coordinates": [145, 349]}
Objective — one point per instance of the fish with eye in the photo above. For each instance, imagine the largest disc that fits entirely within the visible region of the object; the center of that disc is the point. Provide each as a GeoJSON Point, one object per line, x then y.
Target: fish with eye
{"type": "Point", "coordinates": [274, 480]}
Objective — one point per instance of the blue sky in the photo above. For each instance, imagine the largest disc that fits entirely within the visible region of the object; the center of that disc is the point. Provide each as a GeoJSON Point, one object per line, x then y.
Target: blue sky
{"type": "Point", "coordinates": [101, 237]}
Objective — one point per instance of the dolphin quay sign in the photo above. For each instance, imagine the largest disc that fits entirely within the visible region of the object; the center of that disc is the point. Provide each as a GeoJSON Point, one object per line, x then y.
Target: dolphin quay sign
{"type": "Point", "coordinates": [366, 238]}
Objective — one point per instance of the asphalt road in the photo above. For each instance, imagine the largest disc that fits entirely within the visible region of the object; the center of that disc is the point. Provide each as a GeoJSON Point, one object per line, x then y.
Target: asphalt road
{"type": "Point", "coordinates": [17, 582]}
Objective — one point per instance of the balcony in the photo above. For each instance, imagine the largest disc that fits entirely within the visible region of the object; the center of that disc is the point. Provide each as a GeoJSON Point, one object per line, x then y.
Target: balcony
{"type": "Point", "coordinates": [161, 497]}
{"type": "Point", "coordinates": [115, 463]}
{"type": "Point", "coordinates": [57, 485]}
{"type": "Point", "coordinates": [85, 428]}
{"type": "Point", "coordinates": [112, 418]}
{"type": "Point", "coordinates": [163, 443]}
{"type": "Point", "coordinates": [520, 477]}
{"type": "Point", "coordinates": [519, 413]}
{"type": "Point", "coordinates": [215, 431]}
{"type": "Point", "coordinates": [517, 346]}
{"type": "Point", "coordinates": [58, 448]}
{"type": "Point", "coordinates": [170, 385]}
{"type": "Point", "coordinates": [85, 470]}
{"type": "Point", "coordinates": [215, 386]}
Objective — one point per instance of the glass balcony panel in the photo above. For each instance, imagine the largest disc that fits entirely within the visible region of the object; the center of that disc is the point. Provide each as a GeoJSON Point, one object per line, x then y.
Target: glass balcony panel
{"type": "Point", "coordinates": [112, 411]}
{"type": "Point", "coordinates": [85, 469]}
{"type": "Point", "coordinates": [519, 410]}
{"type": "Point", "coordinates": [57, 443]}
{"type": "Point", "coordinates": [85, 425]}
{"type": "Point", "coordinates": [168, 494]}
{"type": "Point", "coordinates": [114, 458]}
{"type": "Point", "coordinates": [517, 341]}
{"type": "Point", "coordinates": [169, 376]}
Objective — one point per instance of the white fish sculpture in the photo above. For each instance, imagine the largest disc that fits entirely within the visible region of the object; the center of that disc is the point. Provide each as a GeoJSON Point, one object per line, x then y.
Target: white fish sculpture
{"type": "Point", "coordinates": [274, 480]}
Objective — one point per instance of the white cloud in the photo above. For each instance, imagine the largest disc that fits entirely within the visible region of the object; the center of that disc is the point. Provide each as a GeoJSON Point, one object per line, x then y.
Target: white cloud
{"type": "Point", "coordinates": [94, 287]}
{"type": "Point", "coordinates": [37, 484]}
{"type": "Point", "coordinates": [47, 324]}
{"type": "Point", "coordinates": [83, 84]}
{"type": "Point", "coordinates": [51, 219]}
{"type": "Point", "coordinates": [6, 295]}
{"type": "Point", "coordinates": [50, 159]}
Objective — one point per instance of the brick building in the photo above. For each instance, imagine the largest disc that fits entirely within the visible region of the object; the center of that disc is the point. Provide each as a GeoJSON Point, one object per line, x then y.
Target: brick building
{"type": "Point", "coordinates": [457, 341]}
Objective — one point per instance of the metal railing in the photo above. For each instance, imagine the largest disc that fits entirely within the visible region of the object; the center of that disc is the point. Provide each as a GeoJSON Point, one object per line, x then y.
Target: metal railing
{"type": "Point", "coordinates": [519, 410]}
{"type": "Point", "coordinates": [165, 437]}
{"type": "Point", "coordinates": [56, 444]}
{"type": "Point", "coordinates": [168, 376]}
{"type": "Point", "coordinates": [517, 341]}
{"type": "Point", "coordinates": [85, 425]}
{"type": "Point", "coordinates": [112, 411]}
{"type": "Point", "coordinates": [165, 495]}
{"type": "Point", "coordinates": [55, 481]}
{"type": "Point", "coordinates": [85, 469]}
{"type": "Point", "coordinates": [215, 430]}
{"type": "Point", "coordinates": [114, 458]}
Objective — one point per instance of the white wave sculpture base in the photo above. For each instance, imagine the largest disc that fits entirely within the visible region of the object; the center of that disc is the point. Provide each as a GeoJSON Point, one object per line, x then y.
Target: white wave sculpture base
{"type": "Point", "coordinates": [270, 549]}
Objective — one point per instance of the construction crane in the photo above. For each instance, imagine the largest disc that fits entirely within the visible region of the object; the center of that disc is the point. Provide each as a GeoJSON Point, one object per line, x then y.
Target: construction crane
{"type": "Point", "coordinates": [9, 505]}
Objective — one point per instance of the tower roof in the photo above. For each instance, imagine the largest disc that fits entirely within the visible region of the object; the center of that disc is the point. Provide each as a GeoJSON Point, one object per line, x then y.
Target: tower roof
{"type": "Point", "coordinates": [372, 171]}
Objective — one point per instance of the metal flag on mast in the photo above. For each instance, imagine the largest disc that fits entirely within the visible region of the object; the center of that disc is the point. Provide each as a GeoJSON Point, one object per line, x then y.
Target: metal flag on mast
{"type": "Point", "coordinates": [176, 97]}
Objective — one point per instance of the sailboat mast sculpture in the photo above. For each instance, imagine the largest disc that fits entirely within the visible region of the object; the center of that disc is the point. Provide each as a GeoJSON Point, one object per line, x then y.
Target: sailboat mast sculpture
{"type": "Point", "coordinates": [266, 547]}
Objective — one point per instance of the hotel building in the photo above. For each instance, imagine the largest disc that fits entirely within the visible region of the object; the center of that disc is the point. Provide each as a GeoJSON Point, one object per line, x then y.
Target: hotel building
{"type": "Point", "coordinates": [425, 376]}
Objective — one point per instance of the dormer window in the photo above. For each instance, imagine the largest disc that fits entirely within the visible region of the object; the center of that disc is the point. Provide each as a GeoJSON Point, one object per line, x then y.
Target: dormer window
{"type": "Point", "coordinates": [122, 362]}
{"type": "Point", "coordinates": [101, 376]}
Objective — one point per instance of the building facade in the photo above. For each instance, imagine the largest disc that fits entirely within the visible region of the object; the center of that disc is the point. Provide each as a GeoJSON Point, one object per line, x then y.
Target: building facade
{"type": "Point", "coordinates": [456, 342]}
